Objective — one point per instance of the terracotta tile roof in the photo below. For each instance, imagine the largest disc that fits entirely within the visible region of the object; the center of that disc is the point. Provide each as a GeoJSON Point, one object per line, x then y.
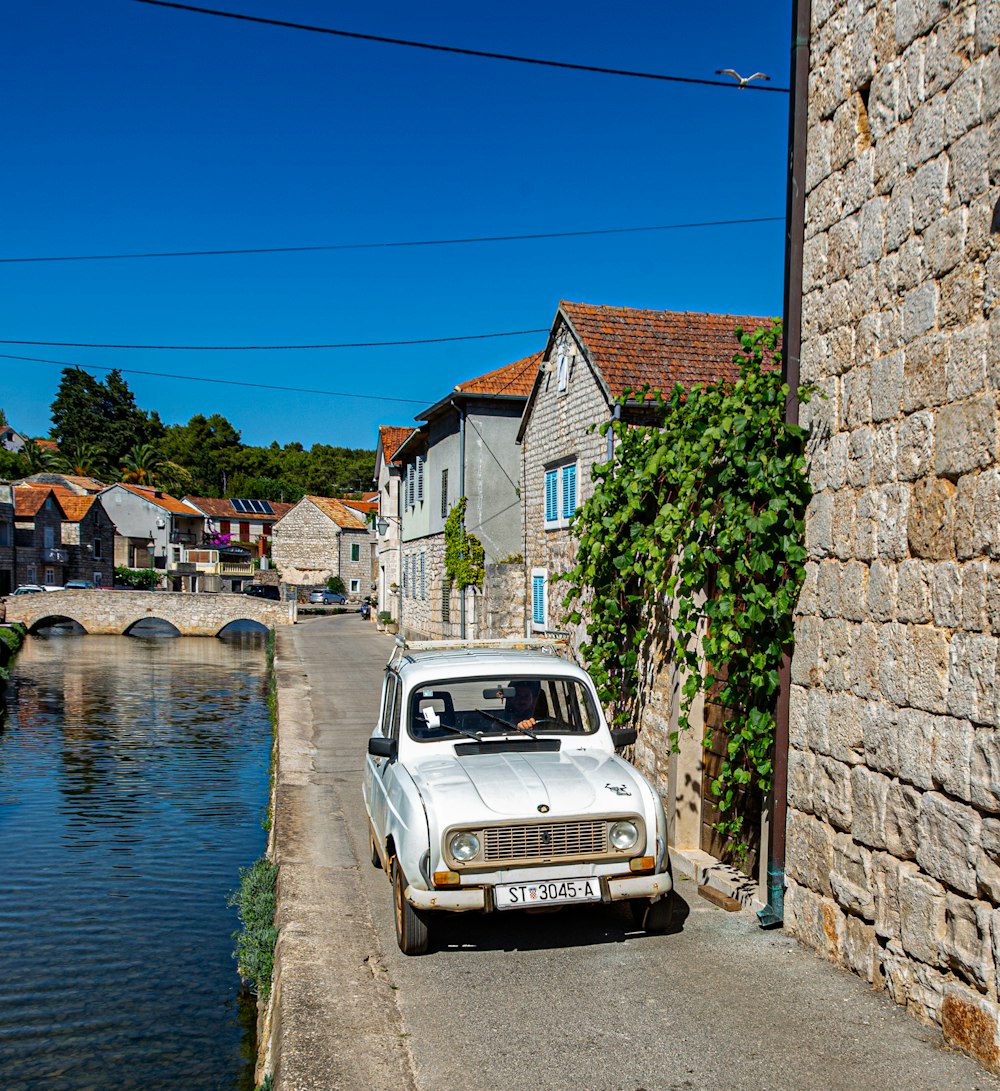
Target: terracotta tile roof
{"type": "Point", "coordinates": [216, 507]}
{"type": "Point", "coordinates": [74, 506]}
{"type": "Point", "coordinates": [75, 483]}
{"type": "Point", "coordinates": [514, 379]}
{"type": "Point", "coordinates": [392, 438]}
{"type": "Point", "coordinates": [360, 505]}
{"type": "Point", "coordinates": [28, 500]}
{"type": "Point", "coordinates": [631, 347]}
{"type": "Point", "coordinates": [31, 495]}
{"type": "Point", "coordinates": [46, 444]}
{"type": "Point", "coordinates": [342, 516]}
{"type": "Point", "coordinates": [161, 499]}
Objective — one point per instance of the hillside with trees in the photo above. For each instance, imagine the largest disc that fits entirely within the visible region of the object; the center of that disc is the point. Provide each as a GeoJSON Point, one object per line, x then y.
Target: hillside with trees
{"type": "Point", "coordinates": [102, 433]}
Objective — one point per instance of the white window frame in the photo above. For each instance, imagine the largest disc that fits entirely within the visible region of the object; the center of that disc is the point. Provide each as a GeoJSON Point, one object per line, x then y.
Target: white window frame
{"type": "Point", "coordinates": [355, 587]}
{"type": "Point", "coordinates": [556, 478]}
{"type": "Point", "coordinates": [355, 551]}
{"type": "Point", "coordinates": [98, 579]}
{"type": "Point", "coordinates": [540, 574]}
{"type": "Point", "coordinates": [562, 373]}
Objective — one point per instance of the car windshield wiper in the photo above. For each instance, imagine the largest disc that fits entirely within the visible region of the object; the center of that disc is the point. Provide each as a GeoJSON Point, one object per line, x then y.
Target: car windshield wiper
{"type": "Point", "coordinates": [459, 731]}
{"type": "Point", "coordinates": [511, 728]}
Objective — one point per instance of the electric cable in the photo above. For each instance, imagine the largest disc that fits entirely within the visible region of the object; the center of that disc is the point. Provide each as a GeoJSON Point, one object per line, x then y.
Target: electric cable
{"type": "Point", "coordinates": [601, 70]}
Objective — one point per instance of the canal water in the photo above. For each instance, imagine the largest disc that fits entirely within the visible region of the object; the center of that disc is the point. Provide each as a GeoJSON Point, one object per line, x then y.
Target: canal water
{"type": "Point", "coordinates": [133, 784]}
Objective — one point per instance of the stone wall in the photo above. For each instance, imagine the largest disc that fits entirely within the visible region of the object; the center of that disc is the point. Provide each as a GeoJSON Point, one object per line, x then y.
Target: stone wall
{"type": "Point", "coordinates": [308, 547]}
{"type": "Point", "coordinates": [893, 855]}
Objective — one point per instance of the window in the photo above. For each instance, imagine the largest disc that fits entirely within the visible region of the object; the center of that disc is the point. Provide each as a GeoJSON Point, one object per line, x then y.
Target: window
{"type": "Point", "coordinates": [355, 551]}
{"type": "Point", "coordinates": [409, 485]}
{"type": "Point", "coordinates": [98, 579]}
{"type": "Point", "coordinates": [97, 549]}
{"type": "Point", "coordinates": [355, 587]}
{"type": "Point", "coordinates": [50, 575]}
{"type": "Point", "coordinates": [446, 599]}
{"type": "Point", "coordinates": [444, 494]}
{"type": "Point", "coordinates": [560, 495]}
{"type": "Point", "coordinates": [4, 534]}
{"type": "Point", "coordinates": [390, 710]}
{"type": "Point", "coordinates": [539, 599]}
{"type": "Point", "coordinates": [31, 577]}
{"type": "Point", "coordinates": [49, 535]}
{"type": "Point", "coordinates": [562, 373]}
{"type": "Point", "coordinates": [419, 471]}
{"type": "Point", "coordinates": [423, 576]}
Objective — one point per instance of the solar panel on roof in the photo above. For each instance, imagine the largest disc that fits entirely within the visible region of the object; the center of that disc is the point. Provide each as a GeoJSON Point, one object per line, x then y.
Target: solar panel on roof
{"type": "Point", "coordinates": [240, 506]}
{"type": "Point", "coordinates": [252, 507]}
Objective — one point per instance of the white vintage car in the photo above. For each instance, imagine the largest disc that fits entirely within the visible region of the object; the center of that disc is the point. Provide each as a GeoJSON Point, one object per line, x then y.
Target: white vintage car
{"type": "Point", "coordinates": [492, 783]}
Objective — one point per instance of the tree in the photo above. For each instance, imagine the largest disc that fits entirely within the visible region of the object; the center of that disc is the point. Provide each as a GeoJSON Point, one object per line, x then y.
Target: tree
{"type": "Point", "coordinates": [80, 458]}
{"type": "Point", "coordinates": [208, 447]}
{"type": "Point", "coordinates": [100, 416]}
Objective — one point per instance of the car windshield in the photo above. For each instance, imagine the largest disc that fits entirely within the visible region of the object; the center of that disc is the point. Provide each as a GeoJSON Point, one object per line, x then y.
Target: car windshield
{"type": "Point", "coordinates": [483, 707]}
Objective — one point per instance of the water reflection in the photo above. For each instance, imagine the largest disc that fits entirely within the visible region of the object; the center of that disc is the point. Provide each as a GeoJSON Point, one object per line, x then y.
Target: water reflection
{"type": "Point", "coordinates": [133, 777]}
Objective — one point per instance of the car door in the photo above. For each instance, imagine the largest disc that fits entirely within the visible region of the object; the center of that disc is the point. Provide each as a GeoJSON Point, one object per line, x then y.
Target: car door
{"type": "Point", "coordinates": [379, 770]}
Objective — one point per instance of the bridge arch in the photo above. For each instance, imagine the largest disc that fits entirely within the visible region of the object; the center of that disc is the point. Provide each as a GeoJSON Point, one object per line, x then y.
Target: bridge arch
{"type": "Point", "coordinates": [170, 629]}
{"type": "Point", "coordinates": [48, 621]}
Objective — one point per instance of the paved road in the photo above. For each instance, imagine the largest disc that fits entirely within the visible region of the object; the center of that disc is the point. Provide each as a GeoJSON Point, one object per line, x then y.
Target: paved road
{"type": "Point", "coordinates": [575, 999]}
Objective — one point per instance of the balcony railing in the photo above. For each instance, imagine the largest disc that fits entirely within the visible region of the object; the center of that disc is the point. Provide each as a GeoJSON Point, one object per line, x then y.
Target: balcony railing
{"type": "Point", "coordinates": [55, 556]}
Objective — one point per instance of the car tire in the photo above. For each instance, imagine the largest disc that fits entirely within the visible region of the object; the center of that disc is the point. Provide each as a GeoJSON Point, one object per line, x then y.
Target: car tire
{"type": "Point", "coordinates": [412, 933]}
{"type": "Point", "coordinates": [655, 916]}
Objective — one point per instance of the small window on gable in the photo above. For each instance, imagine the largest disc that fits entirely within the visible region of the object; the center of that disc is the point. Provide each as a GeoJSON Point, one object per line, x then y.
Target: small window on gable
{"type": "Point", "coordinates": [562, 373]}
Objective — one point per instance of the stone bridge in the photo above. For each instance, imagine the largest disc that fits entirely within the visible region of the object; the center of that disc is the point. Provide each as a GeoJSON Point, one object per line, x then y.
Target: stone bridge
{"type": "Point", "coordinates": [112, 613]}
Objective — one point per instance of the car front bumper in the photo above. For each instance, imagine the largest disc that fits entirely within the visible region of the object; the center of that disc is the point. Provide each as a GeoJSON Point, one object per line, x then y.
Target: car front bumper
{"type": "Point", "coordinates": [465, 899]}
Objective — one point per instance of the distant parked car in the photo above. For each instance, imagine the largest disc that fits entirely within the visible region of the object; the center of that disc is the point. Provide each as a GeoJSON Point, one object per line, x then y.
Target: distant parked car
{"type": "Point", "coordinates": [328, 598]}
{"type": "Point", "coordinates": [263, 591]}
{"type": "Point", "coordinates": [78, 585]}
{"type": "Point", "coordinates": [28, 589]}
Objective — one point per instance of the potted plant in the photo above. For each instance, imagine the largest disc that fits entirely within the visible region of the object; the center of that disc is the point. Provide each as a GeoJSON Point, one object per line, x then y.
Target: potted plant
{"type": "Point", "coordinates": [385, 622]}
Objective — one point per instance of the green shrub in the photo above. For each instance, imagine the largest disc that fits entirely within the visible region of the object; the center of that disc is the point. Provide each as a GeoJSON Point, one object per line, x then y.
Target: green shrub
{"type": "Point", "coordinates": [335, 583]}
{"type": "Point", "coordinates": [255, 939]}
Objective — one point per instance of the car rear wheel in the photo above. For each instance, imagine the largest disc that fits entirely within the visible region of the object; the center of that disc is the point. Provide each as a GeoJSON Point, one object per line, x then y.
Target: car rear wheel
{"type": "Point", "coordinates": [412, 933]}
{"type": "Point", "coordinates": [376, 859]}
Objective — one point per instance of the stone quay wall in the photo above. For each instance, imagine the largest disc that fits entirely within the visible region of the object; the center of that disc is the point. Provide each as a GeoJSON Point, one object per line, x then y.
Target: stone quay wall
{"type": "Point", "coordinates": [893, 852]}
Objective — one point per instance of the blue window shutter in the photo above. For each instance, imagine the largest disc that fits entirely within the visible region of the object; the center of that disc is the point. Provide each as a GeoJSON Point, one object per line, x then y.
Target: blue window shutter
{"type": "Point", "coordinates": [423, 575]}
{"type": "Point", "coordinates": [551, 496]}
{"type": "Point", "coordinates": [538, 600]}
{"type": "Point", "coordinates": [568, 490]}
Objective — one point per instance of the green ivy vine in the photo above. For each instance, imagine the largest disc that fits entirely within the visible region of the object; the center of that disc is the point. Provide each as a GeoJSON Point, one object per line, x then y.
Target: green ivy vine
{"type": "Point", "coordinates": [464, 557]}
{"type": "Point", "coordinates": [701, 512]}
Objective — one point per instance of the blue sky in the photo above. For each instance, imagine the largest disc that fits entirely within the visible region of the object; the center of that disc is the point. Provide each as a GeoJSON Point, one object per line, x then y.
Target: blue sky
{"type": "Point", "coordinates": [133, 128]}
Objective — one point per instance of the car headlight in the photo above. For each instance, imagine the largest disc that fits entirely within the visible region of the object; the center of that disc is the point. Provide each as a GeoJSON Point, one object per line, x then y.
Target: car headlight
{"type": "Point", "coordinates": [464, 846]}
{"type": "Point", "coordinates": [623, 834]}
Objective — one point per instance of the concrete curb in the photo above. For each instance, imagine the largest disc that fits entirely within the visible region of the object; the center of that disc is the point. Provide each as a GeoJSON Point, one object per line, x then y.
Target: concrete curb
{"type": "Point", "coordinates": [705, 870]}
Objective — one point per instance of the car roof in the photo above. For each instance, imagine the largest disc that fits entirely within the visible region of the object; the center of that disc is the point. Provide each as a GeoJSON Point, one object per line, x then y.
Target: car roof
{"type": "Point", "coordinates": [420, 664]}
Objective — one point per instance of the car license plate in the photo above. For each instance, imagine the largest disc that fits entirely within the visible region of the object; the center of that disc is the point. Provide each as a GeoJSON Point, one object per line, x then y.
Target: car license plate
{"type": "Point", "coordinates": [547, 892]}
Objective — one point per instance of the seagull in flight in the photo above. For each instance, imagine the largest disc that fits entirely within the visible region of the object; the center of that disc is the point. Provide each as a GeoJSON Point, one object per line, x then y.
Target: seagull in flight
{"type": "Point", "coordinates": [744, 80]}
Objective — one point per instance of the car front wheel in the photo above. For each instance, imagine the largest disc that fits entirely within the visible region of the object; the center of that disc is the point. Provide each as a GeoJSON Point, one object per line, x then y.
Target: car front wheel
{"type": "Point", "coordinates": [655, 916]}
{"type": "Point", "coordinates": [412, 933]}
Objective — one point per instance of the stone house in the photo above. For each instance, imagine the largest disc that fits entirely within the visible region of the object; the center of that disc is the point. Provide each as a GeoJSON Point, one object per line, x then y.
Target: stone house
{"type": "Point", "coordinates": [60, 536]}
{"type": "Point", "coordinates": [320, 537]}
{"type": "Point", "coordinates": [247, 521]}
{"type": "Point", "coordinates": [7, 583]}
{"type": "Point", "coordinates": [465, 447]}
{"type": "Point", "coordinates": [893, 831]}
{"type": "Point", "coordinates": [593, 356]}
{"type": "Point", "coordinates": [388, 510]}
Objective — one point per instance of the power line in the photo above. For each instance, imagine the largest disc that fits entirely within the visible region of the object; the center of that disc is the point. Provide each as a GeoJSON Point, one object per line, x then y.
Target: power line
{"type": "Point", "coordinates": [269, 348]}
{"type": "Point", "coordinates": [463, 52]}
{"type": "Point", "coordinates": [220, 382]}
{"type": "Point", "coordinates": [396, 245]}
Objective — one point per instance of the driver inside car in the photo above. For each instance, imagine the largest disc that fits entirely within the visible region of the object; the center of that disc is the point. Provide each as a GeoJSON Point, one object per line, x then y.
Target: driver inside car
{"type": "Point", "coordinates": [521, 707]}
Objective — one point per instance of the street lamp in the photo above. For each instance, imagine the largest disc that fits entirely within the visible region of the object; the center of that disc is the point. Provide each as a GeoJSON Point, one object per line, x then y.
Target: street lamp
{"type": "Point", "coordinates": [151, 546]}
{"type": "Point", "coordinates": [382, 526]}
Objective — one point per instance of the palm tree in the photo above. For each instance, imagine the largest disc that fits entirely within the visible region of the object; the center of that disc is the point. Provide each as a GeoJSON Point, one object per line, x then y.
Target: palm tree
{"type": "Point", "coordinates": [79, 458]}
{"type": "Point", "coordinates": [141, 465]}
{"type": "Point", "coordinates": [34, 456]}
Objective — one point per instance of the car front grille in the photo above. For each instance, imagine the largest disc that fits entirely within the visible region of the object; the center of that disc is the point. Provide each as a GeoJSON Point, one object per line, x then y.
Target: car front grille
{"type": "Point", "coordinates": [545, 841]}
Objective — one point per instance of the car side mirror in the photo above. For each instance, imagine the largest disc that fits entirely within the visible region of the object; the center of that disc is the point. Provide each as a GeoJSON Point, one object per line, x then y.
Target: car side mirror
{"type": "Point", "coordinates": [379, 747]}
{"type": "Point", "coordinates": [623, 736]}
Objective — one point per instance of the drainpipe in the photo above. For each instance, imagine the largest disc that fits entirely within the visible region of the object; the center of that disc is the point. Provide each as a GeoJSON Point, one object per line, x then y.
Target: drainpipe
{"type": "Point", "coordinates": [772, 915]}
{"type": "Point", "coordinates": [461, 489]}
{"type": "Point", "coordinates": [616, 415]}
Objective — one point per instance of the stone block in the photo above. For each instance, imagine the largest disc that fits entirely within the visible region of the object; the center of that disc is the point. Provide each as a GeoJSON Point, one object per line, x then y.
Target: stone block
{"type": "Point", "coordinates": [965, 435]}
{"type": "Point", "coordinates": [798, 717]}
{"type": "Point", "coordinates": [987, 29]}
{"type": "Point", "coordinates": [921, 916]}
{"type": "Point", "coordinates": [851, 878]}
{"type": "Point", "coordinates": [861, 949]}
{"type": "Point", "coordinates": [902, 812]}
{"type": "Point", "coordinates": [895, 651]}
{"type": "Point", "coordinates": [859, 458]}
{"type": "Point", "coordinates": [807, 603]}
{"type": "Point", "coordinates": [836, 460]}
{"type": "Point", "coordinates": [846, 727]}
{"type": "Point", "coordinates": [913, 602]}
{"type": "Point", "coordinates": [970, 169]}
{"type": "Point", "coordinates": [969, 541]}
{"type": "Point", "coordinates": [887, 386]}
{"type": "Point", "coordinates": [916, 746]}
{"type": "Point", "coordinates": [925, 373]}
{"type": "Point", "coordinates": [951, 756]}
{"type": "Point", "coordinates": [864, 669]}
{"type": "Point", "coordinates": [828, 589]}
{"type": "Point", "coordinates": [927, 130]}
{"type": "Point", "coordinates": [915, 448]}
{"type": "Point", "coordinates": [838, 640]}
{"type": "Point", "coordinates": [882, 591]}
{"type": "Point", "coordinates": [819, 525]}
{"type": "Point", "coordinates": [944, 242]}
{"type": "Point", "coordinates": [842, 254]}
{"type": "Point", "coordinates": [815, 262]}
{"type": "Point", "coordinates": [919, 311]}
{"type": "Point", "coordinates": [966, 947]}
{"type": "Point", "coordinates": [946, 594]}
{"type": "Point", "coordinates": [971, 1023]}
{"type": "Point", "coordinates": [930, 519]}
{"type": "Point", "coordinates": [832, 792]}
{"type": "Point", "coordinates": [871, 231]}
{"type": "Point", "coordinates": [856, 397]}
{"type": "Point", "coordinates": [809, 851]}
{"type": "Point", "coordinates": [984, 788]}
{"type": "Point", "coordinates": [893, 521]}
{"type": "Point", "coordinates": [930, 191]}
{"type": "Point", "coordinates": [819, 721]}
{"type": "Point", "coordinates": [967, 362]}
{"type": "Point", "coordinates": [910, 270]}
{"type": "Point", "coordinates": [972, 661]}
{"type": "Point", "coordinates": [819, 924]}
{"type": "Point", "coordinates": [964, 101]}
{"type": "Point", "coordinates": [948, 835]}
{"type": "Point", "coordinates": [899, 210]}
{"type": "Point", "coordinates": [962, 296]}
{"type": "Point", "coordinates": [818, 167]}
{"type": "Point", "coordinates": [988, 511]}
{"type": "Point", "coordinates": [853, 590]}
{"type": "Point", "coordinates": [884, 453]}
{"type": "Point", "coordinates": [869, 793]}
{"type": "Point", "coordinates": [993, 597]}
{"type": "Point", "coordinates": [880, 735]}
{"type": "Point", "coordinates": [801, 773]}
{"type": "Point", "coordinates": [843, 349]}
{"type": "Point", "coordinates": [854, 528]}
{"type": "Point", "coordinates": [949, 51]}
{"type": "Point", "coordinates": [974, 615]}
{"type": "Point", "coordinates": [886, 873]}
